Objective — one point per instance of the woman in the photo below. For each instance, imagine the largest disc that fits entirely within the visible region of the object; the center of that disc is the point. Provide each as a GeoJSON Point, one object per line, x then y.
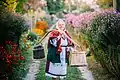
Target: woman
{"type": "Point", "coordinates": [59, 47]}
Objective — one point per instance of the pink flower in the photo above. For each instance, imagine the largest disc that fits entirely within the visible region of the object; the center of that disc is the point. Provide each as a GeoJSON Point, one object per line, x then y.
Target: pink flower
{"type": "Point", "coordinates": [83, 20]}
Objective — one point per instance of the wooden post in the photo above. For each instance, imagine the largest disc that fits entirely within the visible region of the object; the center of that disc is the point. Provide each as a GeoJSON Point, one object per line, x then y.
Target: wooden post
{"type": "Point", "coordinates": [116, 5]}
{"type": "Point", "coordinates": [69, 5]}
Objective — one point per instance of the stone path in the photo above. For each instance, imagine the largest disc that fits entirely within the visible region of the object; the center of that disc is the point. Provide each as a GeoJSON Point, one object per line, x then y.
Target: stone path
{"type": "Point", "coordinates": [33, 70]}
{"type": "Point", "coordinates": [86, 74]}
{"type": "Point", "coordinates": [34, 66]}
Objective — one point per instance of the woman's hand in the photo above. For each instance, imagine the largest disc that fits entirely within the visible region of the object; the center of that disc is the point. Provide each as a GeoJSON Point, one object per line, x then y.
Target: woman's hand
{"type": "Point", "coordinates": [58, 37]}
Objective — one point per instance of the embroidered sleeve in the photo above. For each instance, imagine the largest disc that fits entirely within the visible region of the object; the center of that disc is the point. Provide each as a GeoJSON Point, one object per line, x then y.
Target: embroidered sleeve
{"type": "Point", "coordinates": [54, 42]}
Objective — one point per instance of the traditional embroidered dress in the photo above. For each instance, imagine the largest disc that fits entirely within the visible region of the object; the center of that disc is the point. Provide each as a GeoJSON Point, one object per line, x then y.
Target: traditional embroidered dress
{"type": "Point", "coordinates": [58, 55]}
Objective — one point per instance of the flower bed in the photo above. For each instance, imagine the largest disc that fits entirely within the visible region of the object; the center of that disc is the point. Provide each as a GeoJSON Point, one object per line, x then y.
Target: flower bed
{"type": "Point", "coordinates": [14, 58]}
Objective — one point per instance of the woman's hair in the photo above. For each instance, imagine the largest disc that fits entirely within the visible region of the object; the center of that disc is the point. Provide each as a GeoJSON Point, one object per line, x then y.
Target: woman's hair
{"type": "Point", "coordinates": [60, 21]}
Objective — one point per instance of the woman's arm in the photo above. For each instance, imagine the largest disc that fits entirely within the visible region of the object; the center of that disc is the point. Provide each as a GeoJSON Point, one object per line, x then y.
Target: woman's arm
{"type": "Point", "coordinates": [53, 42]}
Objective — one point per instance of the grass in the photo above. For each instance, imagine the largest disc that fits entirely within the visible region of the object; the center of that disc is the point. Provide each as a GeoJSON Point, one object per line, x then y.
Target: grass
{"type": "Point", "coordinates": [73, 73]}
{"type": "Point", "coordinates": [79, 38]}
{"type": "Point", "coordinates": [98, 72]}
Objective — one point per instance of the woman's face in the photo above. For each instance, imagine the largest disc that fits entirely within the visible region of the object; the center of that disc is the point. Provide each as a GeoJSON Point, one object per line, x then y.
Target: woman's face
{"type": "Point", "coordinates": [61, 26]}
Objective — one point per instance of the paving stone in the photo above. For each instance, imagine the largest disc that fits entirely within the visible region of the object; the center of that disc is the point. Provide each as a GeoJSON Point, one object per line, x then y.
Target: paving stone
{"type": "Point", "coordinates": [33, 70]}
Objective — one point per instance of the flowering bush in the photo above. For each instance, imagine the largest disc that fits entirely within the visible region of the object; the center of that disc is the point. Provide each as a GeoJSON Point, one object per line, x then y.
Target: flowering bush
{"type": "Point", "coordinates": [41, 25]}
{"type": "Point", "coordinates": [40, 28]}
{"type": "Point", "coordinates": [80, 20]}
{"type": "Point", "coordinates": [11, 54]}
{"type": "Point", "coordinates": [9, 57]}
{"type": "Point", "coordinates": [84, 19]}
{"type": "Point", "coordinates": [38, 31]}
{"type": "Point", "coordinates": [81, 23]}
{"type": "Point", "coordinates": [104, 38]}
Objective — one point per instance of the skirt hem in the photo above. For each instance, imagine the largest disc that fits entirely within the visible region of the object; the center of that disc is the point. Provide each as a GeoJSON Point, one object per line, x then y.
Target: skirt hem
{"type": "Point", "coordinates": [55, 76]}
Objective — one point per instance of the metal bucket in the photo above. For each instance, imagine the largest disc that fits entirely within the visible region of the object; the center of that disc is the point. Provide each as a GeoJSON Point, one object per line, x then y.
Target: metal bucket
{"type": "Point", "coordinates": [38, 52]}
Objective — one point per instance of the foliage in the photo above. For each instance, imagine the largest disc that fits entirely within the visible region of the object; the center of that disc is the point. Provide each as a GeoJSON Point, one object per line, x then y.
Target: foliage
{"type": "Point", "coordinates": [98, 72]}
{"type": "Point", "coordinates": [19, 7]}
{"type": "Point", "coordinates": [35, 4]}
{"type": "Point", "coordinates": [104, 38]}
{"type": "Point", "coordinates": [25, 42]}
{"type": "Point", "coordinates": [21, 70]}
{"type": "Point", "coordinates": [25, 5]}
{"type": "Point", "coordinates": [32, 37]}
{"type": "Point", "coordinates": [55, 6]}
{"type": "Point", "coordinates": [12, 26]}
{"type": "Point", "coordinates": [117, 5]}
{"type": "Point", "coordinates": [12, 57]}
{"type": "Point", "coordinates": [105, 3]}
{"type": "Point", "coordinates": [9, 4]}
{"type": "Point", "coordinates": [78, 37]}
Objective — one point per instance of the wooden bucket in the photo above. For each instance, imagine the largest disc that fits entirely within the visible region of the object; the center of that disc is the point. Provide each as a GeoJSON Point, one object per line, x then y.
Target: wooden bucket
{"type": "Point", "coordinates": [78, 59]}
{"type": "Point", "coordinates": [38, 52]}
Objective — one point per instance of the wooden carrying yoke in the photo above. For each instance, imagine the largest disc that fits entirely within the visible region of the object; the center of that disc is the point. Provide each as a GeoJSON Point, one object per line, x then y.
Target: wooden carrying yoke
{"type": "Point", "coordinates": [39, 41]}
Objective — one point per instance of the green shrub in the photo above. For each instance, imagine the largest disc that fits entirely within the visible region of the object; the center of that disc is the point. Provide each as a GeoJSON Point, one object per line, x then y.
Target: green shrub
{"type": "Point", "coordinates": [55, 6]}
{"type": "Point", "coordinates": [104, 38]}
{"type": "Point", "coordinates": [13, 59]}
{"type": "Point", "coordinates": [11, 26]}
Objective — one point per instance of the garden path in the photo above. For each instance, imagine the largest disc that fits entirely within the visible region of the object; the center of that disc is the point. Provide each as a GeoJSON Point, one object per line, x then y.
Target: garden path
{"type": "Point", "coordinates": [34, 66]}
{"type": "Point", "coordinates": [78, 60]}
{"type": "Point", "coordinates": [33, 70]}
